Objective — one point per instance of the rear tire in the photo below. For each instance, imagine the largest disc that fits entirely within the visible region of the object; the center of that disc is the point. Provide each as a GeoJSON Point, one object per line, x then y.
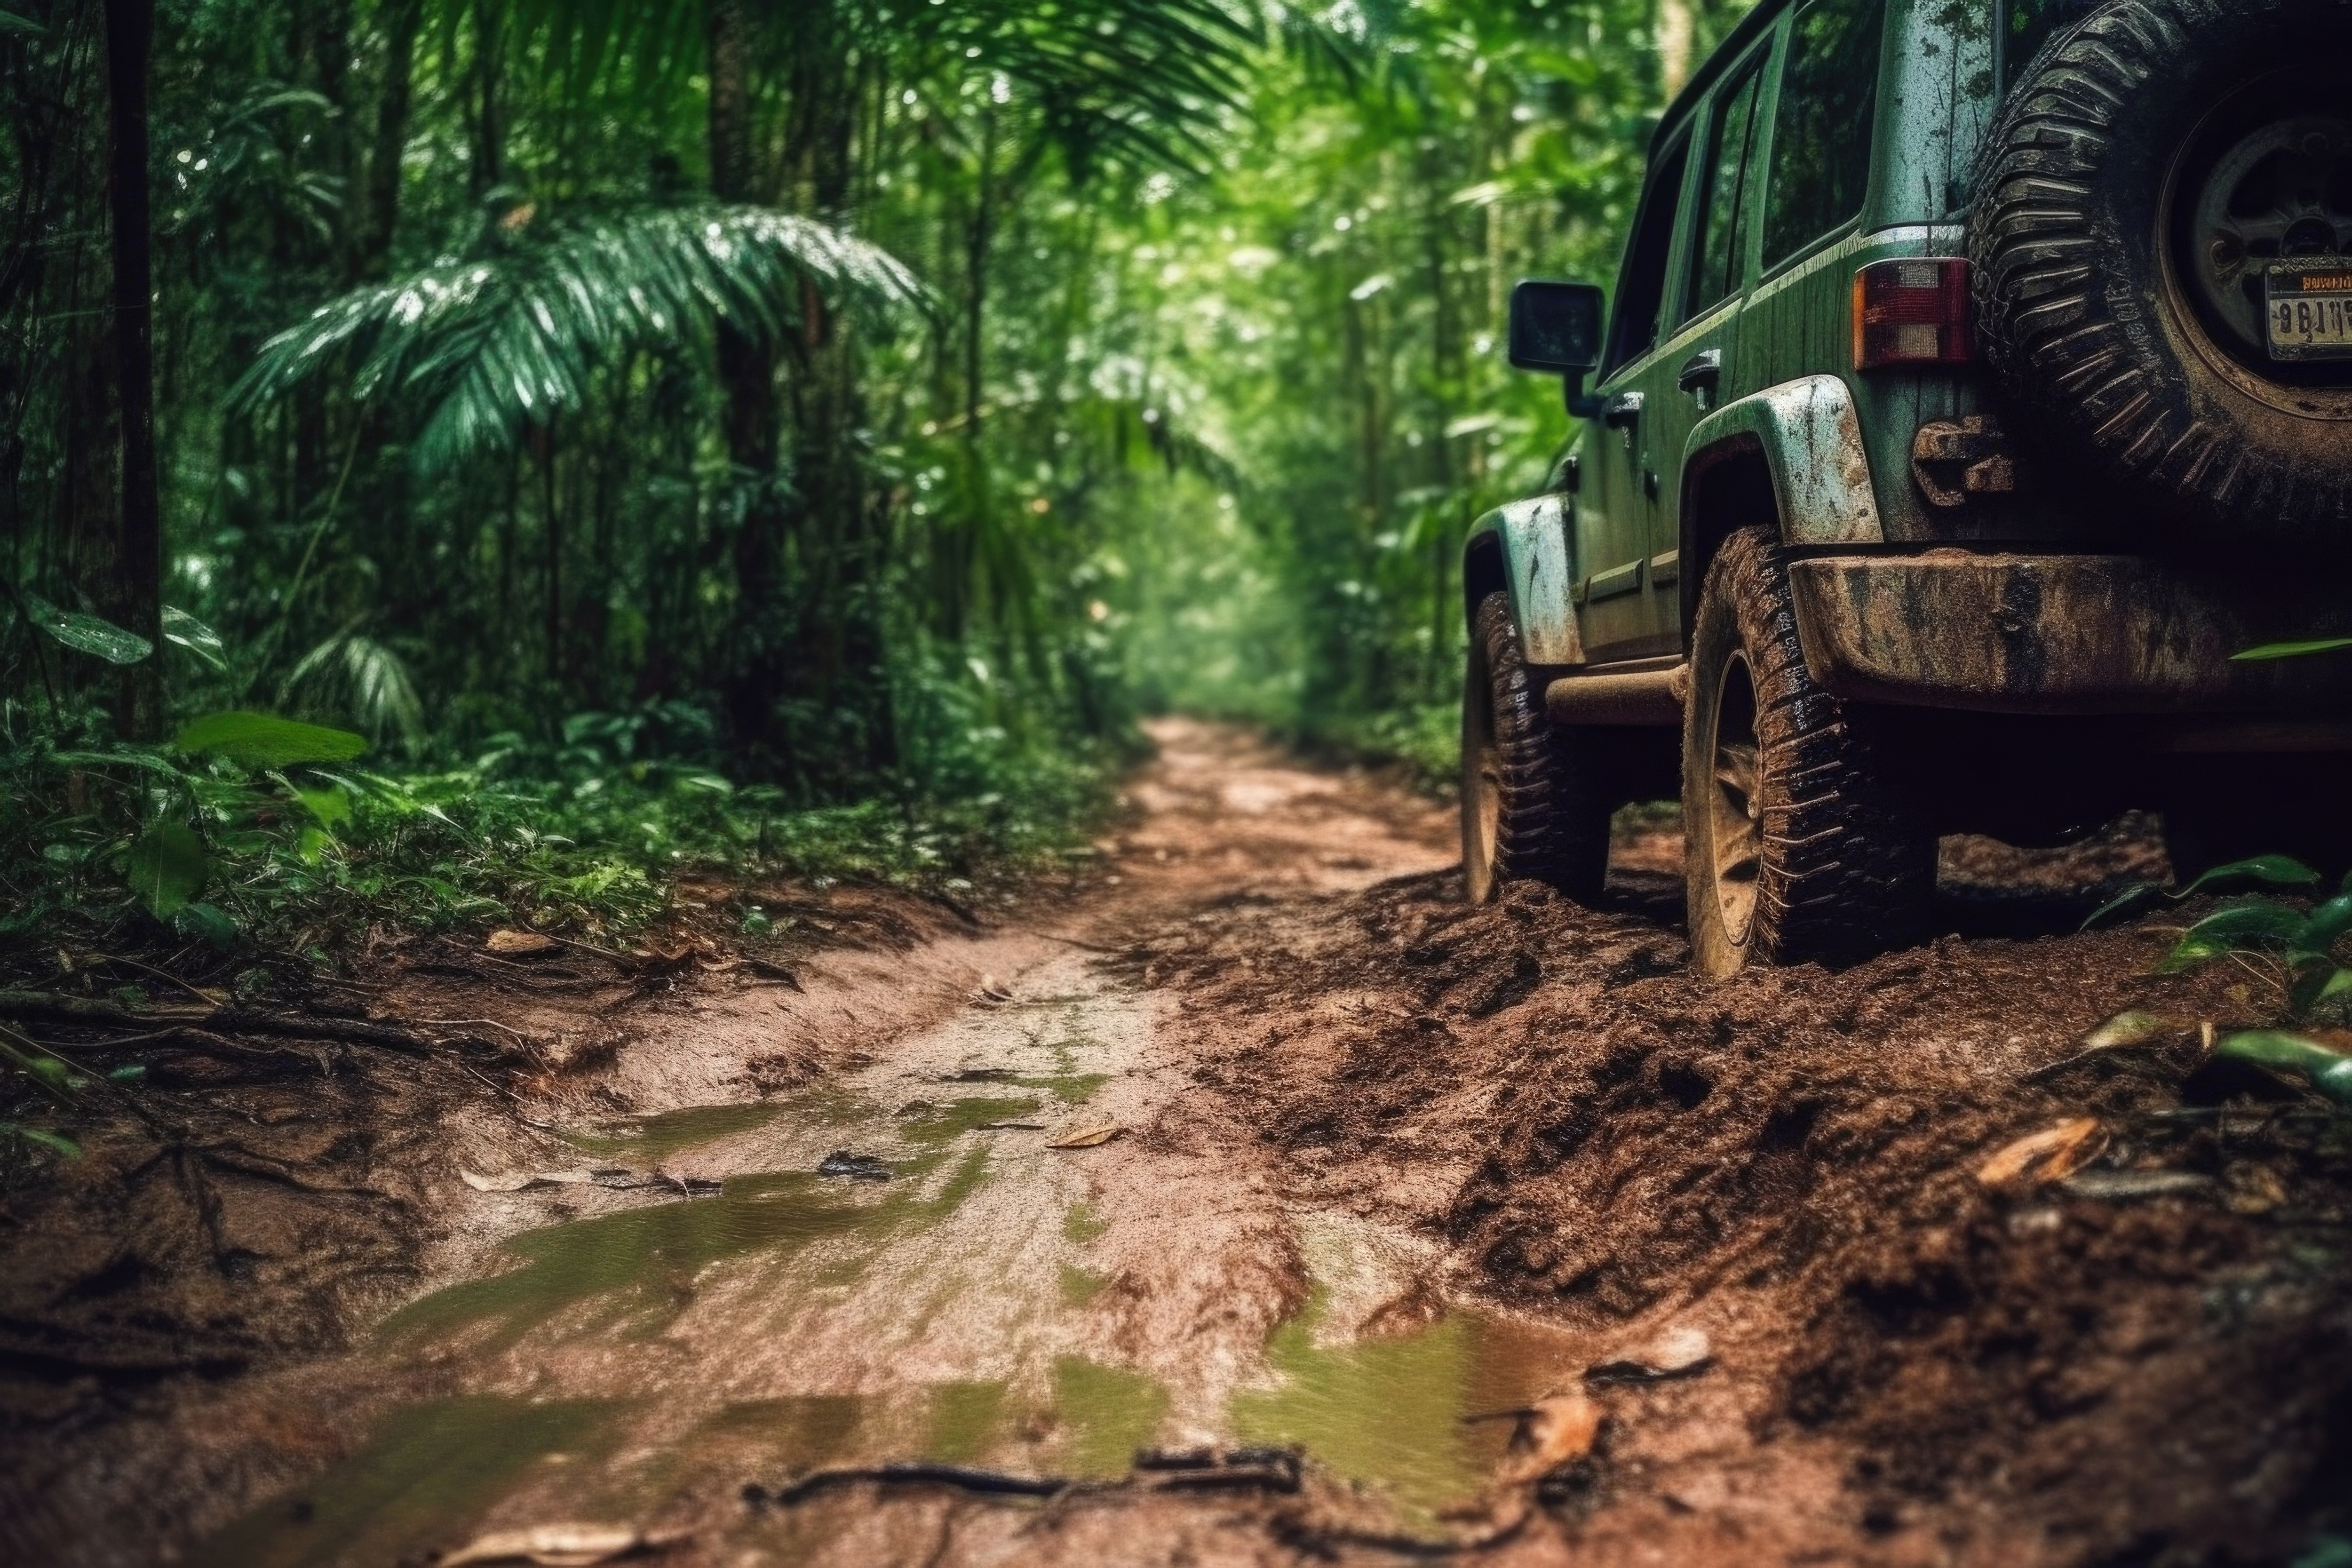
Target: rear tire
{"type": "Point", "coordinates": [1796, 848]}
{"type": "Point", "coordinates": [1535, 798]}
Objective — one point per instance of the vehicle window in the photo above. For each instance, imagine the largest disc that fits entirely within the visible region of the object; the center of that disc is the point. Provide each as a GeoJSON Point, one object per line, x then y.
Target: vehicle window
{"type": "Point", "coordinates": [1821, 134]}
{"type": "Point", "coordinates": [2027, 25]}
{"type": "Point", "coordinates": [1716, 244]}
{"type": "Point", "coordinates": [1642, 286]}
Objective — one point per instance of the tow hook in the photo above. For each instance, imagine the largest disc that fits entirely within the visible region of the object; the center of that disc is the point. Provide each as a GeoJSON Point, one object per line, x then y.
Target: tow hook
{"type": "Point", "coordinates": [1953, 459]}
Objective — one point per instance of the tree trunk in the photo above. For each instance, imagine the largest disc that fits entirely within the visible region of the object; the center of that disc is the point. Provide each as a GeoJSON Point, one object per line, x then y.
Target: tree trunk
{"type": "Point", "coordinates": [489, 167]}
{"type": "Point", "coordinates": [747, 378]}
{"type": "Point", "coordinates": [379, 203]}
{"type": "Point", "coordinates": [137, 604]}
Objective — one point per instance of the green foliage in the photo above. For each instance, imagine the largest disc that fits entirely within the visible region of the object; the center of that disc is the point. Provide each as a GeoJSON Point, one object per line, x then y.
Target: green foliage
{"type": "Point", "coordinates": [263, 741]}
{"type": "Point", "coordinates": [2328, 1070]}
{"type": "Point", "coordinates": [510, 338]}
{"type": "Point", "coordinates": [167, 867]}
{"type": "Point", "coordinates": [85, 633]}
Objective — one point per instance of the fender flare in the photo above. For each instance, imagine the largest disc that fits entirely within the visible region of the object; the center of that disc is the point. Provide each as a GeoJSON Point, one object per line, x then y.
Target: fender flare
{"type": "Point", "coordinates": [1811, 439]}
{"type": "Point", "coordinates": [1536, 565]}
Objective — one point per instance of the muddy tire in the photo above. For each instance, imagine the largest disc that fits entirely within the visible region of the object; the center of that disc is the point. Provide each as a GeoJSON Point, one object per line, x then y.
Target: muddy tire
{"type": "Point", "coordinates": [1535, 798]}
{"type": "Point", "coordinates": [1796, 848]}
{"type": "Point", "coordinates": [2146, 168]}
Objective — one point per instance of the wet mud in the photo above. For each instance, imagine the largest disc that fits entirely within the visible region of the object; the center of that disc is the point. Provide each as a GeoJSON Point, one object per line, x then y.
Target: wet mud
{"type": "Point", "coordinates": [1244, 1197]}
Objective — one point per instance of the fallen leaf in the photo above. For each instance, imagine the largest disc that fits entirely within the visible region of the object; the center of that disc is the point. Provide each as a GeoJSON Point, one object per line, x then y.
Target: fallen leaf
{"type": "Point", "coordinates": [2115, 1185]}
{"type": "Point", "coordinates": [1557, 1430]}
{"type": "Point", "coordinates": [508, 944]}
{"type": "Point", "coordinates": [2131, 1029]}
{"type": "Point", "coordinates": [551, 1545]}
{"type": "Point", "coordinates": [1679, 1353]}
{"type": "Point", "coordinates": [2050, 1155]}
{"type": "Point", "coordinates": [1084, 1134]}
{"type": "Point", "coordinates": [516, 1181]}
{"type": "Point", "coordinates": [2253, 1189]}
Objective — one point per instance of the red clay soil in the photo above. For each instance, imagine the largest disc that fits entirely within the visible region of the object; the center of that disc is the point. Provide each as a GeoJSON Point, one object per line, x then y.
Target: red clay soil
{"type": "Point", "coordinates": [1908, 1366]}
{"type": "Point", "coordinates": [2148, 1363]}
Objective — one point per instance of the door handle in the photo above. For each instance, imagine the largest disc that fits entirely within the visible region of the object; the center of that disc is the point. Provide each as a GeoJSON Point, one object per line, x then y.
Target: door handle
{"type": "Point", "coordinates": [1622, 410]}
{"type": "Point", "coordinates": [1703, 369]}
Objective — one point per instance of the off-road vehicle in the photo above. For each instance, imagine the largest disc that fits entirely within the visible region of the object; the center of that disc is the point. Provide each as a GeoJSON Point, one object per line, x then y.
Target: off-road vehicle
{"type": "Point", "coordinates": [1977, 383]}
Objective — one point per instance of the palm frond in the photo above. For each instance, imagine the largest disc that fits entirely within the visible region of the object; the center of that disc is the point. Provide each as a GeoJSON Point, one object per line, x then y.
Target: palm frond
{"type": "Point", "coordinates": [507, 340]}
{"type": "Point", "coordinates": [357, 675]}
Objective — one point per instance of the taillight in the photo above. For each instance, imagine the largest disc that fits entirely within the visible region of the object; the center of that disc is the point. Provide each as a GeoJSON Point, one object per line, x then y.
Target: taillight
{"type": "Point", "coordinates": [1912, 312]}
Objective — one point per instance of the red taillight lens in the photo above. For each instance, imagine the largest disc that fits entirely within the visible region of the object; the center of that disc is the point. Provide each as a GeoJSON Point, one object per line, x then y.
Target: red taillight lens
{"type": "Point", "coordinates": [1912, 312]}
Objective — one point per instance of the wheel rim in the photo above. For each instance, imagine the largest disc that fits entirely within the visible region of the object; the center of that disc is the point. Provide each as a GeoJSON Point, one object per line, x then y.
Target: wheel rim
{"type": "Point", "coordinates": [1734, 808]}
{"type": "Point", "coordinates": [2267, 178]}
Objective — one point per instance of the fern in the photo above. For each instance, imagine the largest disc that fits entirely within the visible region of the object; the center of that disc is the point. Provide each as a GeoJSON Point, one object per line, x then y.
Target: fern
{"type": "Point", "coordinates": [508, 339]}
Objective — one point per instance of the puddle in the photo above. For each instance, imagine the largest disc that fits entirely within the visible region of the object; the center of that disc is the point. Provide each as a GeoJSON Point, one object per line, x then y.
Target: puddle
{"type": "Point", "coordinates": [952, 1312]}
{"type": "Point", "coordinates": [649, 1139]}
{"type": "Point", "coordinates": [1394, 1411]}
{"type": "Point", "coordinates": [427, 1468]}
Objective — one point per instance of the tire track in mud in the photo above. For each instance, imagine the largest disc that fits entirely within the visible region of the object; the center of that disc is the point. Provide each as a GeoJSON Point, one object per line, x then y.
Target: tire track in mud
{"type": "Point", "coordinates": [1386, 1164]}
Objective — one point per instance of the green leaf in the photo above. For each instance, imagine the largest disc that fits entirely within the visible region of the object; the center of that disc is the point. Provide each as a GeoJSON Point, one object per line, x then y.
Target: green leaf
{"type": "Point", "coordinates": [311, 843]}
{"type": "Point", "coordinates": [184, 629]}
{"type": "Point", "coordinates": [2281, 869]}
{"type": "Point", "coordinates": [2329, 1070]}
{"type": "Point", "coordinates": [331, 806]}
{"type": "Point", "coordinates": [264, 740]}
{"type": "Point", "coordinates": [46, 1139]}
{"type": "Point", "coordinates": [87, 634]}
{"type": "Point", "coordinates": [147, 760]}
{"type": "Point", "coordinates": [2292, 650]}
{"type": "Point", "coordinates": [2138, 892]}
{"type": "Point", "coordinates": [2255, 923]}
{"type": "Point", "coordinates": [167, 866]}
{"type": "Point", "coordinates": [2321, 983]}
{"type": "Point", "coordinates": [206, 924]}
{"type": "Point", "coordinates": [2328, 922]}
{"type": "Point", "coordinates": [131, 1072]}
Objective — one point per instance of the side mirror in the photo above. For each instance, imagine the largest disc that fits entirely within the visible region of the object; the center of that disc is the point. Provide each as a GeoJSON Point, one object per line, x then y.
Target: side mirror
{"type": "Point", "coordinates": [1556, 328]}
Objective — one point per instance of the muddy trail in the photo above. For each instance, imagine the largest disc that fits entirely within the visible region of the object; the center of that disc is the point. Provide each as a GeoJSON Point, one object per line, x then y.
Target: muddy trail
{"type": "Point", "coordinates": [1241, 1197]}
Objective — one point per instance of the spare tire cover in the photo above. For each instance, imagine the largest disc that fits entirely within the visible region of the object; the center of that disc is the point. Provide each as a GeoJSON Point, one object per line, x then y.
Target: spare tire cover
{"type": "Point", "coordinates": [2146, 170]}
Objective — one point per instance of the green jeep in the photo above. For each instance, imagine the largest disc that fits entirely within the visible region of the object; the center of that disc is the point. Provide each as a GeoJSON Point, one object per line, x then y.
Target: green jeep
{"type": "Point", "coordinates": [1978, 383]}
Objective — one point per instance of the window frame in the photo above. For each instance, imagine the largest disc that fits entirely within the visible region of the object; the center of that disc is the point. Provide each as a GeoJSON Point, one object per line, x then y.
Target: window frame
{"type": "Point", "coordinates": [1785, 29]}
{"type": "Point", "coordinates": [1619, 356]}
{"type": "Point", "coordinates": [1747, 213]}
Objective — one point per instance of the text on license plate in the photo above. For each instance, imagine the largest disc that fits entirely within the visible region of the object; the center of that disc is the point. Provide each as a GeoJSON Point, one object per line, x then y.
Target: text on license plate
{"type": "Point", "coordinates": [2308, 312]}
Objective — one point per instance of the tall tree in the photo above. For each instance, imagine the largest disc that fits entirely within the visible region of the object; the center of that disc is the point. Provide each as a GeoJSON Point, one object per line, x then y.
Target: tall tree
{"type": "Point", "coordinates": [137, 599]}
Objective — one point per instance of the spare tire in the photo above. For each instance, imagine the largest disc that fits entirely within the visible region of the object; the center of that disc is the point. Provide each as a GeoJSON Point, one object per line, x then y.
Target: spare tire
{"type": "Point", "coordinates": [2147, 168]}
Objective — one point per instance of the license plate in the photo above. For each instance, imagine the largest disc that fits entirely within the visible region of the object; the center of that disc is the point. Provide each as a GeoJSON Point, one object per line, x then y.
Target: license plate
{"type": "Point", "coordinates": [2309, 309]}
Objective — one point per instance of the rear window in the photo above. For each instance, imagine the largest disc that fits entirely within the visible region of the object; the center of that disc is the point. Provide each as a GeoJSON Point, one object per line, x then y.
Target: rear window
{"type": "Point", "coordinates": [1821, 133]}
{"type": "Point", "coordinates": [2027, 25]}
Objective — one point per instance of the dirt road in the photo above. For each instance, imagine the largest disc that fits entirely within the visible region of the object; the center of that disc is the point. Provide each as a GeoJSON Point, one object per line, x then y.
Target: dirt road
{"type": "Point", "coordinates": [1378, 1226]}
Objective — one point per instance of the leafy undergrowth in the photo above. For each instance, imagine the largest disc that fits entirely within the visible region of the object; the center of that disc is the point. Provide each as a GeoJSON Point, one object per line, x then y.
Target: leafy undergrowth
{"type": "Point", "coordinates": [228, 847]}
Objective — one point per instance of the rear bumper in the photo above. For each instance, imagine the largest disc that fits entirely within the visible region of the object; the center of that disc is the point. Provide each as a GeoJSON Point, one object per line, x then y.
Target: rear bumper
{"type": "Point", "coordinates": [2066, 634]}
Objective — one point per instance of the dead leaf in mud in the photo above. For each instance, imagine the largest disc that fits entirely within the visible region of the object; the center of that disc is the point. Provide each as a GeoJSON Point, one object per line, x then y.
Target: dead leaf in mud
{"type": "Point", "coordinates": [857, 1167]}
{"type": "Point", "coordinates": [2119, 1184]}
{"type": "Point", "coordinates": [506, 943]}
{"type": "Point", "coordinates": [1679, 1353]}
{"type": "Point", "coordinates": [1556, 1431]}
{"type": "Point", "coordinates": [1084, 1134]}
{"type": "Point", "coordinates": [2050, 1155]}
{"type": "Point", "coordinates": [516, 1181]}
{"type": "Point", "coordinates": [2131, 1029]}
{"type": "Point", "coordinates": [553, 1546]}
{"type": "Point", "coordinates": [2253, 1189]}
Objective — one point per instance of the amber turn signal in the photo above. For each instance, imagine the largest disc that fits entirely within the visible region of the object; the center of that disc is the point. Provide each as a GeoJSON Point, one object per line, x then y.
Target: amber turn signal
{"type": "Point", "coordinates": [1912, 312]}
